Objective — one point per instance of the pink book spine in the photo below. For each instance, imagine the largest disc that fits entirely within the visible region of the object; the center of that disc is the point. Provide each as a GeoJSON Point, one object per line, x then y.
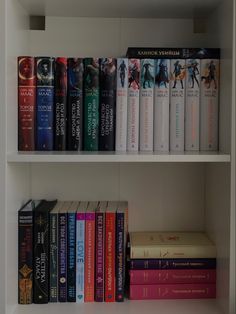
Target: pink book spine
{"type": "Point", "coordinates": [172, 276]}
{"type": "Point", "coordinates": [178, 291]}
{"type": "Point", "coordinates": [89, 257]}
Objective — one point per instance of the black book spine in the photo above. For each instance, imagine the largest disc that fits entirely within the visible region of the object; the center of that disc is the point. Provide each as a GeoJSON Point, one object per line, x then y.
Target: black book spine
{"type": "Point", "coordinates": [60, 114]}
{"type": "Point", "coordinates": [75, 104]}
{"type": "Point", "coordinates": [53, 256]}
{"type": "Point", "coordinates": [62, 257]}
{"type": "Point", "coordinates": [41, 252]}
{"type": "Point", "coordinates": [107, 104]}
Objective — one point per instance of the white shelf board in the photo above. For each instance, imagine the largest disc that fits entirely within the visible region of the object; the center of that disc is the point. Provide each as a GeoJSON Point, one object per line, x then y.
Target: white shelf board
{"type": "Point", "coordinates": [121, 8]}
{"type": "Point", "coordinates": [21, 157]}
{"type": "Point", "coordinates": [129, 307]}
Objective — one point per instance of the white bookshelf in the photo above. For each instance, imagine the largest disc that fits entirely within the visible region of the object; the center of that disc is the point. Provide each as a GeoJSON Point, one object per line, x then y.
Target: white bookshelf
{"type": "Point", "coordinates": [182, 192]}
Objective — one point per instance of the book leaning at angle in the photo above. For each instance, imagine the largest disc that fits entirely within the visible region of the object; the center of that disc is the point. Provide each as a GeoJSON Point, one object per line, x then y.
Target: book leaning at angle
{"type": "Point", "coordinates": [171, 245]}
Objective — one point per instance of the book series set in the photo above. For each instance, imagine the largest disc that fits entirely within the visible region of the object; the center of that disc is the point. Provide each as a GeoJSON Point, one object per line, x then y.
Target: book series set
{"type": "Point", "coordinates": [72, 251]}
{"type": "Point", "coordinates": [171, 265]}
{"type": "Point", "coordinates": [153, 100]}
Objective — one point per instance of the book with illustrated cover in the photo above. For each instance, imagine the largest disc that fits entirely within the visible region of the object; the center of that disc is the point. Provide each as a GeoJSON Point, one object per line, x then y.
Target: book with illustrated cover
{"type": "Point", "coordinates": [26, 103]}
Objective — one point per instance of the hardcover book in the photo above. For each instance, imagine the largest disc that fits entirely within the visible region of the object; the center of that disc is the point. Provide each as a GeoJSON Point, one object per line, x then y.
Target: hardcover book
{"type": "Point", "coordinates": [60, 114]}
{"type": "Point", "coordinates": [26, 103]}
{"type": "Point", "coordinates": [107, 104]}
{"type": "Point", "coordinates": [45, 103]}
{"type": "Point", "coordinates": [91, 104]}
{"type": "Point", "coordinates": [121, 104]}
{"type": "Point", "coordinates": [75, 104]}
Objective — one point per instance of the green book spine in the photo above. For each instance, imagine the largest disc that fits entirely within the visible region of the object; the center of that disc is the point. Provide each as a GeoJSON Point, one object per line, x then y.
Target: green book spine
{"type": "Point", "coordinates": [91, 104]}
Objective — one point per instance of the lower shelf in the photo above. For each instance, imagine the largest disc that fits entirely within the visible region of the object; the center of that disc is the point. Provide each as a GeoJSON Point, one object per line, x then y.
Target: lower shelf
{"type": "Point", "coordinates": [129, 307]}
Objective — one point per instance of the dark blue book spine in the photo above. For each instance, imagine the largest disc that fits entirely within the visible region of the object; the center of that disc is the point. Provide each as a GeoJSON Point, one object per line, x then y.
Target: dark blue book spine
{"type": "Point", "coordinates": [120, 257]}
{"type": "Point", "coordinates": [45, 103]}
{"type": "Point", "coordinates": [71, 262]}
{"type": "Point", "coordinates": [62, 258]}
{"type": "Point", "coordinates": [179, 263]}
{"type": "Point", "coordinates": [53, 257]}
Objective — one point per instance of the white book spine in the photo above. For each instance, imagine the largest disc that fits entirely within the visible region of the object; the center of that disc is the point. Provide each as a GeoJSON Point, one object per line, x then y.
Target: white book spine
{"type": "Point", "coordinates": [177, 104]}
{"type": "Point", "coordinates": [146, 104]}
{"type": "Point", "coordinates": [121, 104]}
{"type": "Point", "coordinates": [192, 105]}
{"type": "Point", "coordinates": [133, 105]}
{"type": "Point", "coordinates": [162, 105]}
{"type": "Point", "coordinates": [80, 258]}
{"type": "Point", "coordinates": [209, 104]}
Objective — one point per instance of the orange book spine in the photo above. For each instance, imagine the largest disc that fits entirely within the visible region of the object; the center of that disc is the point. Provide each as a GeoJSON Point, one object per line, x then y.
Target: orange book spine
{"type": "Point", "coordinates": [110, 257]}
{"type": "Point", "coordinates": [89, 257]}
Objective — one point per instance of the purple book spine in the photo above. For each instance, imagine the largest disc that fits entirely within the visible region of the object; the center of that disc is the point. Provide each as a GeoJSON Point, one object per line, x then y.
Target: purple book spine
{"type": "Point", "coordinates": [99, 283]}
{"type": "Point", "coordinates": [62, 258]}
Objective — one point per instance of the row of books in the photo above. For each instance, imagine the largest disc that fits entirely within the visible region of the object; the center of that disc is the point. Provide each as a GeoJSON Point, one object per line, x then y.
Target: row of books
{"type": "Point", "coordinates": [72, 251]}
{"type": "Point", "coordinates": [171, 266]}
{"type": "Point", "coordinates": [124, 104]}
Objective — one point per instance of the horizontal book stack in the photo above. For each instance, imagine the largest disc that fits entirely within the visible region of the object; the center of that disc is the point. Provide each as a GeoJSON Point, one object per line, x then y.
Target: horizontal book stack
{"type": "Point", "coordinates": [171, 265]}
{"type": "Point", "coordinates": [72, 251]}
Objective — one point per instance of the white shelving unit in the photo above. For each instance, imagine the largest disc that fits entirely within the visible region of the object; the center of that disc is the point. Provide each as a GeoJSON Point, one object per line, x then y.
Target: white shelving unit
{"type": "Point", "coordinates": [165, 191]}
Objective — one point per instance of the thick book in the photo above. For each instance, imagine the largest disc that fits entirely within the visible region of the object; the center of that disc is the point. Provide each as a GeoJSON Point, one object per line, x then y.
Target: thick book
{"type": "Point", "coordinates": [60, 111]}
{"type": "Point", "coordinates": [110, 248]}
{"type": "Point", "coordinates": [45, 103]}
{"type": "Point", "coordinates": [89, 252]}
{"type": "Point", "coordinates": [80, 251]}
{"type": "Point", "coordinates": [41, 252]}
{"type": "Point", "coordinates": [168, 291]}
{"type": "Point", "coordinates": [25, 253]}
{"type": "Point", "coordinates": [121, 104]}
{"type": "Point", "coordinates": [162, 105]}
{"type": "Point", "coordinates": [171, 245]}
{"type": "Point", "coordinates": [146, 104]}
{"type": "Point", "coordinates": [53, 237]}
{"type": "Point", "coordinates": [172, 276]}
{"type": "Point", "coordinates": [75, 68]}
{"type": "Point", "coordinates": [71, 252]}
{"type": "Point", "coordinates": [177, 104]}
{"type": "Point", "coordinates": [174, 263]}
{"type": "Point", "coordinates": [91, 104]}
{"type": "Point", "coordinates": [26, 103]}
{"type": "Point", "coordinates": [99, 251]}
{"type": "Point", "coordinates": [107, 81]}
{"type": "Point", "coordinates": [192, 105]}
{"type": "Point", "coordinates": [133, 105]}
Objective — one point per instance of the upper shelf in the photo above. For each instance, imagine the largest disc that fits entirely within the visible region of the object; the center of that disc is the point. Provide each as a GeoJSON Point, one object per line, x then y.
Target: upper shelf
{"type": "Point", "coordinates": [121, 8]}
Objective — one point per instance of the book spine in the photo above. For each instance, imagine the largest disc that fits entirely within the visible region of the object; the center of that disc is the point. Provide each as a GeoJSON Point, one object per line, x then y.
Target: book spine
{"type": "Point", "coordinates": [133, 105]}
{"type": "Point", "coordinates": [25, 257]}
{"type": "Point", "coordinates": [121, 104]}
{"type": "Point", "coordinates": [89, 257]}
{"type": "Point", "coordinates": [162, 105]}
{"type": "Point", "coordinates": [209, 104]}
{"type": "Point", "coordinates": [80, 256]}
{"type": "Point", "coordinates": [62, 257]}
{"type": "Point", "coordinates": [75, 104]}
{"type": "Point", "coordinates": [177, 104]}
{"type": "Point", "coordinates": [45, 103]}
{"type": "Point", "coordinates": [60, 115]}
{"type": "Point", "coordinates": [172, 276]}
{"type": "Point", "coordinates": [99, 274]}
{"type": "Point", "coordinates": [178, 291]}
{"type": "Point", "coordinates": [120, 257]}
{"type": "Point", "coordinates": [192, 106]}
{"type": "Point", "coordinates": [71, 256]}
{"type": "Point", "coordinates": [26, 103]}
{"type": "Point", "coordinates": [110, 257]}
{"type": "Point", "coordinates": [146, 104]}
{"type": "Point", "coordinates": [53, 257]}
{"type": "Point", "coordinates": [91, 104]}
{"type": "Point", "coordinates": [178, 263]}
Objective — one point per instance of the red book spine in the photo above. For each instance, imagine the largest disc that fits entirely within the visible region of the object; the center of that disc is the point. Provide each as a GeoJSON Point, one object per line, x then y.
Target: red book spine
{"type": "Point", "coordinates": [110, 257]}
{"type": "Point", "coordinates": [178, 291]}
{"type": "Point", "coordinates": [172, 276]}
{"type": "Point", "coordinates": [26, 103]}
{"type": "Point", "coordinates": [89, 257]}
